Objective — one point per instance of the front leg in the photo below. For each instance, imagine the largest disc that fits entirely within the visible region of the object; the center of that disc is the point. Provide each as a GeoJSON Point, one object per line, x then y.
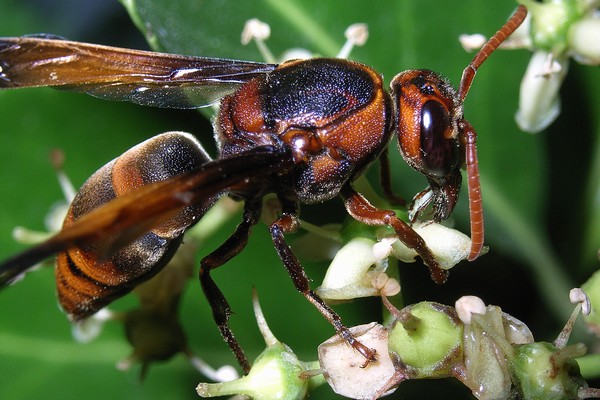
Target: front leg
{"type": "Point", "coordinates": [361, 210]}
{"type": "Point", "coordinates": [287, 223]}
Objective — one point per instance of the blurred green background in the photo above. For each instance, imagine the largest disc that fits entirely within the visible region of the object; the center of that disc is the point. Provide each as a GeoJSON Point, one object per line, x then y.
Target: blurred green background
{"type": "Point", "coordinates": [538, 189]}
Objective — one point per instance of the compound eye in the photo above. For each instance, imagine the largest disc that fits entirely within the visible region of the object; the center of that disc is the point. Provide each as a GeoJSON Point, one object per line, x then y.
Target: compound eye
{"type": "Point", "coordinates": [439, 151]}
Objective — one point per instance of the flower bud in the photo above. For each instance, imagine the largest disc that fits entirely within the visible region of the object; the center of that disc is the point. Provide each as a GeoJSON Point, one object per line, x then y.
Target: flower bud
{"type": "Point", "coordinates": [347, 276]}
{"type": "Point", "coordinates": [449, 246]}
{"type": "Point", "coordinates": [541, 371]}
{"type": "Point", "coordinates": [584, 40]}
{"type": "Point", "coordinates": [539, 104]}
{"type": "Point", "coordinates": [427, 339]}
{"type": "Point", "coordinates": [276, 374]}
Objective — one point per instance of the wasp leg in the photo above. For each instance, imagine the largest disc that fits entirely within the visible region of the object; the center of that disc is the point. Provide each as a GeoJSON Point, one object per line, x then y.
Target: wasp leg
{"type": "Point", "coordinates": [361, 210]}
{"type": "Point", "coordinates": [218, 303]}
{"type": "Point", "coordinates": [288, 222]}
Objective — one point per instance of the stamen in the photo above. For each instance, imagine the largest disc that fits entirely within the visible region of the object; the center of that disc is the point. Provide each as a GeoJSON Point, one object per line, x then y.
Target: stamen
{"type": "Point", "coordinates": [356, 35]}
{"type": "Point", "coordinates": [466, 306]}
{"type": "Point", "coordinates": [259, 32]}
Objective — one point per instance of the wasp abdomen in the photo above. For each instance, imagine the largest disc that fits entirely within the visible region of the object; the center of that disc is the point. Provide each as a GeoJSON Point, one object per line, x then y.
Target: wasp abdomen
{"type": "Point", "coordinates": [90, 277]}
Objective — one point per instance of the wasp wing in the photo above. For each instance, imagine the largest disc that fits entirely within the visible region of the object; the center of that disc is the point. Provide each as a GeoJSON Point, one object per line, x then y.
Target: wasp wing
{"type": "Point", "coordinates": [125, 218]}
{"type": "Point", "coordinates": [142, 77]}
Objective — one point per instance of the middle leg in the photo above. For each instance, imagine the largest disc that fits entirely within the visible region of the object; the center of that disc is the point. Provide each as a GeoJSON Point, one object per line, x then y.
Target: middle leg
{"type": "Point", "coordinates": [287, 223]}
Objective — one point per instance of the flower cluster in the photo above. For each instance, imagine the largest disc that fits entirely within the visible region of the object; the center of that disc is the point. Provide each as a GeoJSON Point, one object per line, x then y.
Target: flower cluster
{"type": "Point", "coordinates": [489, 351]}
{"type": "Point", "coordinates": [555, 31]}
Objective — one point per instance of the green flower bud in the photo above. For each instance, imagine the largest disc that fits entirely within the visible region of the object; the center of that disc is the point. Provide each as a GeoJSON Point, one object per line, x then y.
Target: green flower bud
{"type": "Point", "coordinates": [277, 374]}
{"type": "Point", "coordinates": [486, 352]}
{"type": "Point", "coordinates": [542, 371]}
{"type": "Point", "coordinates": [427, 338]}
{"type": "Point", "coordinates": [550, 22]}
{"type": "Point", "coordinates": [489, 335]}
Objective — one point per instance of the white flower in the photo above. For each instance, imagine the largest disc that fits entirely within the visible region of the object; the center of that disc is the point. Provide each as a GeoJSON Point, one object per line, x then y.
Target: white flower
{"type": "Point", "coordinates": [358, 268]}
{"type": "Point", "coordinates": [584, 39]}
{"type": "Point", "coordinates": [539, 104]}
{"type": "Point", "coordinates": [348, 275]}
{"type": "Point", "coordinates": [449, 246]}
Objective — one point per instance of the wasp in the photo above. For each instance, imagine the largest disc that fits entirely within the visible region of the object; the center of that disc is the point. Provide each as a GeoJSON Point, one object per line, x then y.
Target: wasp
{"type": "Point", "coordinates": [303, 130]}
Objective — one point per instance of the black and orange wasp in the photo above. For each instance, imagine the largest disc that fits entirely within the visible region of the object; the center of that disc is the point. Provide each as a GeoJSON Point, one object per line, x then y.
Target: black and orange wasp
{"type": "Point", "coordinates": [303, 130]}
